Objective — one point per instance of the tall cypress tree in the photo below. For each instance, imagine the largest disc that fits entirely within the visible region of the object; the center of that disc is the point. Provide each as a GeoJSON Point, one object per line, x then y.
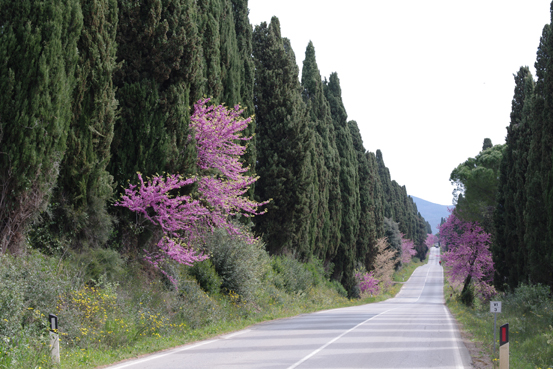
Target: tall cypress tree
{"type": "Point", "coordinates": [84, 185]}
{"type": "Point", "coordinates": [38, 54]}
{"type": "Point", "coordinates": [243, 30]}
{"type": "Point", "coordinates": [366, 239]}
{"type": "Point", "coordinates": [377, 194]}
{"type": "Point", "coordinates": [160, 76]}
{"type": "Point", "coordinates": [284, 142]}
{"type": "Point", "coordinates": [221, 57]}
{"type": "Point", "coordinates": [326, 161]}
{"type": "Point", "coordinates": [386, 182]}
{"type": "Point", "coordinates": [349, 184]}
{"type": "Point", "coordinates": [509, 249]}
{"type": "Point", "coordinates": [537, 235]}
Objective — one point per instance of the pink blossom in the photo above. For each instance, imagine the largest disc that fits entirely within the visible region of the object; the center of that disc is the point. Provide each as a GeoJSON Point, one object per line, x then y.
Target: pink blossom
{"type": "Point", "coordinates": [221, 185]}
{"type": "Point", "coordinates": [367, 283]}
{"type": "Point", "coordinates": [407, 249]}
{"type": "Point", "coordinates": [468, 256]}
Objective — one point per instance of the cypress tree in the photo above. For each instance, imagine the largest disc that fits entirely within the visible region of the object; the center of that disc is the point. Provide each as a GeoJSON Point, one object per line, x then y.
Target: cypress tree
{"type": "Point", "coordinates": [366, 239]}
{"type": "Point", "coordinates": [487, 144]}
{"type": "Point", "coordinates": [284, 141]}
{"type": "Point", "coordinates": [160, 76]}
{"type": "Point", "coordinates": [38, 54]}
{"type": "Point", "coordinates": [349, 185]}
{"type": "Point", "coordinates": [386, 182]}
{"type": "Point", "coordinates": [537, 234]}
{"type": "Point", "coordinates": [326, 215]}
{"type": "Point", "coordinates": [246, 69]}
{"type": "Point", "coordinates": [221, 57]}
{"type": "Point", "coordinates": [377, 194]}
{"type": "Point", "coordinates": [509, 249]}
{"type": "Point", "coordinates": [84, 185]}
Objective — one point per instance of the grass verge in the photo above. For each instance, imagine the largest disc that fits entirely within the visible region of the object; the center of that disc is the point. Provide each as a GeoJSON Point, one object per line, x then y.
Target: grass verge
{"type": "Point", "coordinates": [78, 358]}
{"type": "Point", "coordinates": [528, 310]}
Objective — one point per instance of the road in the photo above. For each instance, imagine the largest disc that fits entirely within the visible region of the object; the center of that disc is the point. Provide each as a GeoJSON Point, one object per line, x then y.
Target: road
{"type": "Point", "coordinates": [412, 330]}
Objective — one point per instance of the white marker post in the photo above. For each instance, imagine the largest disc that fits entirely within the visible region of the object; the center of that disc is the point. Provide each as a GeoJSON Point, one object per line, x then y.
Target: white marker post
{"type": "Point", "coordinates": [54, 339]}
{"type": "Point", "coordinates": [495, 307]}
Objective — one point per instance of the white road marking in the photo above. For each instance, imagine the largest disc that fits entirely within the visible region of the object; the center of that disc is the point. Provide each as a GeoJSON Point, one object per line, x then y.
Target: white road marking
{"type": "Point", "coordinates": [335, 339]}
{"type": "Point", "coordinates": [235, 334]}
{"type": "Point", "coordinates": [159, 356]}
{"type": "Point", "coordinates": [456, 353]}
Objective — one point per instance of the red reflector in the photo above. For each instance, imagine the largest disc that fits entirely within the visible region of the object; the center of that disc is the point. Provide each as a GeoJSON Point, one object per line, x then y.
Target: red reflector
{"type": "Point", "coordinates": [504, 334]}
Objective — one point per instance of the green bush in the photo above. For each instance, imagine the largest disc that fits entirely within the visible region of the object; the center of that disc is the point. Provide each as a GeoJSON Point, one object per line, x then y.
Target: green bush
{"type": "Point", "coordinates": [94, 264]}
{"type": "Point", "coordinates": [291, 275]}
{"type": "Point", "coordinates": [29, 290]}
{"type": "Point", "coordinates": [527, 298]}
{"type": "Point", "coordinates": [337, 286]}
{"type": "Point", "coordinates": [240, 264]}
{"type": "Point", "coordinates": [207, 276]}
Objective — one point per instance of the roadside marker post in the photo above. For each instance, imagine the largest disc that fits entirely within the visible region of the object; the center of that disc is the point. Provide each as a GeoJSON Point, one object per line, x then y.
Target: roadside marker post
{"type": "Point", "coordinates": [54, 339]}
{"type": "Point", "coordinates": [504, 346]}
{"type": "Point", "coordinates": [495, 307]}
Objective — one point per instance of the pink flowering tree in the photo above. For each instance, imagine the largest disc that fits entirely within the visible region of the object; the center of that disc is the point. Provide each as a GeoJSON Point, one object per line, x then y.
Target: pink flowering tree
{"type": "Point", "coordinates": [469, 259]}
{"type": "Point", "coordinates": [221, 184]}
{"type": "Point", "coordinates": [368, 284]}
{"type": "Point", "coordinates": [431, 240]}
{"type": "Point", "coordinates": [407, 249]}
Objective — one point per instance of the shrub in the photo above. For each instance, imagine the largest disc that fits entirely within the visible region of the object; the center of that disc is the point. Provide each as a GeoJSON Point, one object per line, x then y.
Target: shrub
{"type": "Point", "coordinates": [95, 264]}
{"type": "Point", "coordinates": [291, 275]}
{"type": "Point", "coordinates": [207, 276]}
{"type": "Point", "coordinates": [29, 290]}
{"type": "Point", "coordinates": [240, 264]}
{"type": "Point", "coordinates": [527, 298]}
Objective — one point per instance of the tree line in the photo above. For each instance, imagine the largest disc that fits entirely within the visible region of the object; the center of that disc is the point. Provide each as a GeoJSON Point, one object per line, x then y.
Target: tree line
{"type": "Point", "coordinates": [508, 188]}
{"type": "Point", "coordinates": [95, 91]}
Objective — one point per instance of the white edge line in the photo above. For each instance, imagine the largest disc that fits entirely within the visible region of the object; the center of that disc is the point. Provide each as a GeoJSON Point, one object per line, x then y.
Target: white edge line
{"type": "Point", "coordinates": [457, 354]}
{"type": "Point", "coordinates": [235, 334]}
{"type": "Point", "coordinates": [334, 340]}
{"type": "Point", "coordinates": [159, 356]}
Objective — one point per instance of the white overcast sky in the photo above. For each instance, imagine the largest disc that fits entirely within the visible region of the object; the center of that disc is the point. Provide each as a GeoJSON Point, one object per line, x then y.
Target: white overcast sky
{"type": "Point", "coordinates": [426, 80]}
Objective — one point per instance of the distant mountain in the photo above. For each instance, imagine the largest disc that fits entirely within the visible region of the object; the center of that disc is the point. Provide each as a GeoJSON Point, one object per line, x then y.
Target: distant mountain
{"type": "Point", "coordinates": [431, 212]}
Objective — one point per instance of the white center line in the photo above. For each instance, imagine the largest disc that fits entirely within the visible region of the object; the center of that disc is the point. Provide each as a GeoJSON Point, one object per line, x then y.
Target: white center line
{"type": "Point", "coordinates": [335, 339]}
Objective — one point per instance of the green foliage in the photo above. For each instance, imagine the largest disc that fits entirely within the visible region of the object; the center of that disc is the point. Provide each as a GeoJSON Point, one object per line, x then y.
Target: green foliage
{"type": "Point", "coordinates": [349, 185]}
{"type": "Point", "coordinates": [326, 207]}
{"type": "Point", "coordinates": [245, 82]}
{"type": "Point", "coordinates": [84, 185]}
{"type": "Point", "coordinates": [28, 293]}
{"type": "Point", "coordinates": [207, 276]}
{"type": "Point", "coordinates": [367, 235]}
{"type": "Point", "coordinates": [38, 54]}
{"type": "Point", "coordinates": [539, 182]}
{"type": "Point", "coordinates": [509, 249]}
{"type": "Point", "coordinates": [291, 275]}
{"type": "Point", "coordinates": [240, 265]}
{"type": "Point", "coordinates": [476, 182]}
{"type": "Point", "coordinates": [487, 144]}
{"type": "Point", "coordinates": [528, 311]}
{"type": "Point", "coordinates": [393, 235]}
{"type": "Point", "coordinates": [284, 144]}
{"type": "Point", "coordinates": [98, 265]}
{"type": "Point", "coordinates": [154, 89]}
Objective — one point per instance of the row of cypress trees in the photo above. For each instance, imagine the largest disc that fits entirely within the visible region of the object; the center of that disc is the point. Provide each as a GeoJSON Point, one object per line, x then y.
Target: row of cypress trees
{"type": "Point", "coordinates": [330, 197]}
{"type": "Point", "coordinates": [96, 90]}
{"type": "Point", "coordinates": [524, 213]}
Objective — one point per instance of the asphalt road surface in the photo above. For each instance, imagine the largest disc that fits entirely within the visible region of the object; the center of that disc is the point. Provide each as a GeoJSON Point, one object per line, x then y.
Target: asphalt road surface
{"type": "Point", "coordinates": [412, 330]}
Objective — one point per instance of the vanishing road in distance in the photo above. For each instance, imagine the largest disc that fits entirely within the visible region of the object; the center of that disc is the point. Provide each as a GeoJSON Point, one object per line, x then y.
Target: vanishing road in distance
{"type": "Point", "coordinates": [412, 330]}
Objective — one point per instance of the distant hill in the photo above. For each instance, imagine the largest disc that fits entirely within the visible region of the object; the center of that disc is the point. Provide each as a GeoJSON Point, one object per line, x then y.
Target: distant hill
{"type": "Point", "coordinates": [431, 212]}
